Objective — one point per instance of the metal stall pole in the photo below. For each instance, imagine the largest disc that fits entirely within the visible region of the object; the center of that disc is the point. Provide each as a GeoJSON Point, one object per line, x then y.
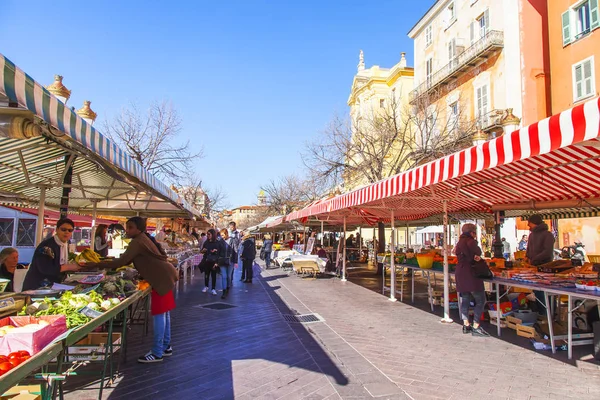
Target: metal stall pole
{"type": "Point", "coordinates": [360, 243]}
{"type": "Point", "coordinates": [446, 318]}
{"type": "Point", "coordinates": [322, 235]}
{"type": "Point", "coordinates": [93, 231]}
{"type": "Point", "coordinates": [344, 253]}
{"type": "Point", "coordinates": [39, 228]}
{"type": "Point", "coordinates": [393, 263]}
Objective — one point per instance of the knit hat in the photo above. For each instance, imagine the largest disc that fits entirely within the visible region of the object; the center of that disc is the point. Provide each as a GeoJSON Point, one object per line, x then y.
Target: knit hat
{"type": "Point", "coordinates": [535, 219]}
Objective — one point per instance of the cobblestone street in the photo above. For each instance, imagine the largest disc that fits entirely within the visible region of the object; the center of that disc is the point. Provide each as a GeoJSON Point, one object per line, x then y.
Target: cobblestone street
{"type": "Point", "coordinates": [364, 347]}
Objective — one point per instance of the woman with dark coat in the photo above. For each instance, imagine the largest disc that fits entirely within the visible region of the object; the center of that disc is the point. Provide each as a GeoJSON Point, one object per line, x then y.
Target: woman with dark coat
{"type": "Point", "coordinates": [467, 284]}
{"type": "Point", "coordinates": [51, 258]}
{"type": "Point", "coordinates": [248, 256]}
{"type": "Point", "coordinates": [212, 249]}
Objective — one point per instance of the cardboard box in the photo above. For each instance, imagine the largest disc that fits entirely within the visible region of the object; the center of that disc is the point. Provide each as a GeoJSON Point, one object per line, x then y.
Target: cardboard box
{"type": "Point", "coordinates": [23, 392]}
{"type": "Point", "coordinates": [93, 347]}
{"type": "Point", "coordinates": [32, 342]}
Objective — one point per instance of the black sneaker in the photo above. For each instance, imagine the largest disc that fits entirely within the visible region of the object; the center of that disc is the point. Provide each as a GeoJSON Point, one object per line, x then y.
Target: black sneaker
{"type": "Point", "coordinates": [168, 351]}
{"type": "Point", "coordinates": [467, 329]}
{"type": "Point", "coordinates": [149, 358]}
{"type": "Point", "coordinates": [224, 295]}
{"type": "Point", "coordinates": [479, 332]}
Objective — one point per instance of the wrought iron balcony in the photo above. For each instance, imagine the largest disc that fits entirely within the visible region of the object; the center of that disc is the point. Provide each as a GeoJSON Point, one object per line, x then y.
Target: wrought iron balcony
{"type": "Point", "coordinates": [470, 57]}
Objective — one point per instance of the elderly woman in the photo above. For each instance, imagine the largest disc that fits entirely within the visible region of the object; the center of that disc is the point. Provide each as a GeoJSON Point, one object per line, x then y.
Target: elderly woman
{"type": "Point", "coordinates": [9, 262]}
{"type": "Point", "coordinates": [467, 284]}
{"type": "Point", "coordinates": [51, 258]}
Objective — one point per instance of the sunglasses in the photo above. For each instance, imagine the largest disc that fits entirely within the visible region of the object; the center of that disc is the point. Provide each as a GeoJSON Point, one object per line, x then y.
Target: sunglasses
{"type": "Point", "coordinates": [67, 229]}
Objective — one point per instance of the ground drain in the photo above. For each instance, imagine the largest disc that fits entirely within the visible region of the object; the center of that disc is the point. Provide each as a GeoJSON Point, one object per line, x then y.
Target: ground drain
{"type": "Point", "coordinates": [216, 306]}
{"type": "Point", "coordinates": [303, 318]}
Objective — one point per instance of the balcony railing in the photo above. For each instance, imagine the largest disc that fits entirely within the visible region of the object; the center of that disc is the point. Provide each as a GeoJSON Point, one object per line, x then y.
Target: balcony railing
{"type": "Point", "coordinates": [488, 44]}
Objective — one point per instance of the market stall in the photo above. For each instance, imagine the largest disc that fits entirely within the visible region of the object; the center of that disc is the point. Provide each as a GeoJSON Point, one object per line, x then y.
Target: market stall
{"type": "Point", "coordinates": [53, 159]}
{"type": "Point", "coordinates": [548, 165]}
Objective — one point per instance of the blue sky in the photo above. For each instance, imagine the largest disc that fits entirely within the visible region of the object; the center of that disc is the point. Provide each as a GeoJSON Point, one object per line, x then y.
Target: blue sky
{"type": "Point", "coordinates": [252, 80]}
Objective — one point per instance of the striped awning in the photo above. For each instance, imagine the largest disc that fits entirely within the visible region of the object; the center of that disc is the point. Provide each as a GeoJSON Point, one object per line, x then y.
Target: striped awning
{"type": "Point", "coordinates": [566, 214]}
{"type": "Point", "coordinates": [81, 138]}
{"type": "Point", "coordinates": [542, 166]}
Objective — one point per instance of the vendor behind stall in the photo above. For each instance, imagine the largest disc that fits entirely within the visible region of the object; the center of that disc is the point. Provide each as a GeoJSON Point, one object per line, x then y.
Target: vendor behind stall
{"type": "Point", "coordinates": [51, 257]}
{"type": "Point", "coordinates": [540, 246]}
{"type": "Point", "coordinates": [150, 260]}
{"type": "Point", "coordinates": [9, 262]}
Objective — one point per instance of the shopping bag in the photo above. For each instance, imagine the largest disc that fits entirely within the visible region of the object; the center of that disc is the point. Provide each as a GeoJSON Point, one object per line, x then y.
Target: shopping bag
{"type": "Point", "coordinates": [256, 269]}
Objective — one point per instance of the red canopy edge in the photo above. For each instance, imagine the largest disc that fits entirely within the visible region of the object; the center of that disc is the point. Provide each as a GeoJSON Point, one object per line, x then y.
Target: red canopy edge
{"type": "Point", "coordinates": [553, 161]}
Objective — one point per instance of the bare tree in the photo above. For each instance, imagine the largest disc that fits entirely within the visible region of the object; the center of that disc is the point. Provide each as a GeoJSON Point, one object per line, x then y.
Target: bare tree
{"type": "Point", "coordinates": [192, 191]}
{"type": "Point", "coordinates": [151, 138]}
{"type": "Point", "coordinates": [377, 143]}
{"type": "Point", "coordinates": [291, 192]}
{"type": "Point", "coordinates": [217, 201]}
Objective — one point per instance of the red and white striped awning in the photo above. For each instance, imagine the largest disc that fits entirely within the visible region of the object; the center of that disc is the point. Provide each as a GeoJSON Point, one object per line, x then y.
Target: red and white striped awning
{"type": "Point", "coordinates": [550, 164]}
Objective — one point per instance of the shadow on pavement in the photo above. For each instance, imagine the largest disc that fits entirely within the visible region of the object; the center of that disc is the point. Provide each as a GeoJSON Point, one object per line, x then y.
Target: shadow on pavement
{"type": "Point", "coordinates": [248, 349]}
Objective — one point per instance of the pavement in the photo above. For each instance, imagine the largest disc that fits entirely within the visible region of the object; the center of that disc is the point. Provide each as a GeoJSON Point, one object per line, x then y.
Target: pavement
{"type": "Point", "coordinates": [361, 346]}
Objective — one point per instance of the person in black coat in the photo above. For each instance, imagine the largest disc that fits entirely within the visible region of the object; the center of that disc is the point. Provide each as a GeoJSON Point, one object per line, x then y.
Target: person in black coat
{"type": "Point", "coordinates": [212, 249]}
{"type": "Point", "coordinates": [51, 258]}
{"type": "Point", "coordinates": [248, 256]}
{"type": "Point", "coordinates": [467, 284]}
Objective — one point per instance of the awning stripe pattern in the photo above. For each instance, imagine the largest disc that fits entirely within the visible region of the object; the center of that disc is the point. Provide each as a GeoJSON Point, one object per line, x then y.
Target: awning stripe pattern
{"type": "Point", "coordinates": [554, 159]}
{"type": "Point", "coordinates": [21, 88]}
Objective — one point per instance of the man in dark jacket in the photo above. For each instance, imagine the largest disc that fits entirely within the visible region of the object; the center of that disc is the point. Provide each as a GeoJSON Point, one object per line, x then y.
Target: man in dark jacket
{"type": "Point", "coordinates": [540, 246]}
{"type": "Point", "coordinates": [248, 256]}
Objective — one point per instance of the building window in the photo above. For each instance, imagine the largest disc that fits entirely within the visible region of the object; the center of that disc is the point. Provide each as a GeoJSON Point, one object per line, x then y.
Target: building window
{"type": "Point", "coordinates": [584, 84]}
{"type": "Point", "coordinates": [7, 227]}
{"type": "Point", "coordinates": [26, 233]}
{"type": "Point", "coordinates": [428, 36]}
{"type": "Point", "coordinates": [451, 11]}
{"type": "Point", "coordinates": [482, 103]}
{"type": "Point", "coordinates": [381, 103]}
{"type": "Point", "coordinates": [580, 20]}
{"type": "Point", "coordinates": [452, 50]}
{"type": "Point", "coordinates": [453, 115]}
{"type": "Point", "coordinates": [429, 69]}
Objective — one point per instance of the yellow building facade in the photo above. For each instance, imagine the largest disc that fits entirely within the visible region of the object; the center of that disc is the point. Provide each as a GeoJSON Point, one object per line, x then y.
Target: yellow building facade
{"type": "Point", "coordinates": [376, 91]}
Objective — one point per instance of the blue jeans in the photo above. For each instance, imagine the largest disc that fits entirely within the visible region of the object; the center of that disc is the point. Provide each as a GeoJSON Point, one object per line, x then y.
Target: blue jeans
{"type": "Point", "coordinates": [226, 276]}
{"type": "Point", "coordinates": [465, 299]}
{"type": "Point", "coordinates": [268, 258]}
{"type": "Point", "coordinates": [162, 333]}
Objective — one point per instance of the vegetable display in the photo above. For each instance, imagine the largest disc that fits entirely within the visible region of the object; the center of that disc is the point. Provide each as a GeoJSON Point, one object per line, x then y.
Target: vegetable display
{"type": "Point", "coordinates": [69, 305]}
{"type": "Point", "coordinates": [12, 360]}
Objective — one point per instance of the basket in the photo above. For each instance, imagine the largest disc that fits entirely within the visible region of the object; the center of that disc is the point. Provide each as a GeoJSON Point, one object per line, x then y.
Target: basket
{"type": "Point", "coordinates": [425, 260]}
{"type": "Point", "coordinates": [594, 258]}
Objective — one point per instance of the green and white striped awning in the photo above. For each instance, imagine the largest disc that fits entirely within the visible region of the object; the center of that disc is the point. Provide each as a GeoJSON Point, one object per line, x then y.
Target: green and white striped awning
{"type": "Point", "coordinates": [101, 170]}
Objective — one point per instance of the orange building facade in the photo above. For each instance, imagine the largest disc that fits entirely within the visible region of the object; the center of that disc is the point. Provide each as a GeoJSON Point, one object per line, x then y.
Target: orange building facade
{"type": "Point", "coordinates": [574, 43]}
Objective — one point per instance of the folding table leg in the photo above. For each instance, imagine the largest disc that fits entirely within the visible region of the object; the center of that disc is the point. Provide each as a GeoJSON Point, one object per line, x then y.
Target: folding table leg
{"type": "Point", "coordinates": [498, 311]}
{"type": "Point", "coordinates": [550, 321]}
{"type": "Point", "coordinates": [429, 294]}
{"type": "Point", "coordinates": [412, 292]}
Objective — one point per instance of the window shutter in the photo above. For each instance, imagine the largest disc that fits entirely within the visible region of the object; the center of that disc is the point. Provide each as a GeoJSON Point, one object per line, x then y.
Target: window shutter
{"type": "Point", "coordinates": [578, 81]}
{"type": "Point", "coordinates": [486, 15]}
{"type": "Point", "coordinates": [484, 99]}
{"type": "Point", "coordinates": [566, 28]}
{"type": "Point", "coordinates": [472, 32]}
{"type": "Point", "coordinates": [594, 17]}
{"type": "Point", "coordinates": [587, 77]}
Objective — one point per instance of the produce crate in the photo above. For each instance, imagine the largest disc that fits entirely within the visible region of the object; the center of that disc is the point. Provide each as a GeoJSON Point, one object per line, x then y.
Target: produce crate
{"type": "Point", "coordinates": [22, 392]}
{"type": "Point", "coordinates": [33, 341]}
{"type": "Point", "coordinates": [527, 331]}
{"type": "Point", "coordinates": [93, 347]}
{"type": "Point", "coordinates": [512, 322]}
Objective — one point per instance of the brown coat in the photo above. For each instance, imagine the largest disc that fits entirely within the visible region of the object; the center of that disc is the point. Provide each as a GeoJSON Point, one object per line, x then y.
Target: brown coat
{"type": "Point", "coordinates": [466, 250]}
{"type": "Point", "coordinates": [151, 264]}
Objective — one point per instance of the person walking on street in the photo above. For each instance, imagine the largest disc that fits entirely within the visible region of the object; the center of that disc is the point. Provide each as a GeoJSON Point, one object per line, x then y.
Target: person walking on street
{"type": "Point", "coordinates": [523, 243]}
{"type": "Point", "coordinates": [213, 249]}
{"type": "Point", "coordinates": [467, 284]}
{"type": "Point", "coordinates": [240, 263]}
{"type": "Point", "coordinates": [235, 243]}
{"type": "Point", "coordinates": [227, 262]}
{"type": "Point", "coordinates": [540, 246]}
{"type": "Point", "coordinates": [506, 249]}
{"type": "Point", "coordinates": [248, 256]}
{"type": "Point", "coordinates": [267, 249]}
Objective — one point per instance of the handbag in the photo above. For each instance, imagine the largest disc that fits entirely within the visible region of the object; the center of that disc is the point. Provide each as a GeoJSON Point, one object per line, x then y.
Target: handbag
{"type": "Point", "coordinates": [481, 270]}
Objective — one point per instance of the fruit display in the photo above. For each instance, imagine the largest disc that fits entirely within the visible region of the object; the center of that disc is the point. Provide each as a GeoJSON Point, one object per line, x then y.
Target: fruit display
{"type": "Point", "coordinates": [23, 329]}
{"type": "Point", "coordinates": [87, 255]}
{"type": "Point", "coordinates": [591, 284]}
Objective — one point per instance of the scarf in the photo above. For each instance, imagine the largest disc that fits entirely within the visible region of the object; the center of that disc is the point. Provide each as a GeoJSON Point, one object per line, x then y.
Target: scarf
{"type": "Point", "coordinates": [64, 250]}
